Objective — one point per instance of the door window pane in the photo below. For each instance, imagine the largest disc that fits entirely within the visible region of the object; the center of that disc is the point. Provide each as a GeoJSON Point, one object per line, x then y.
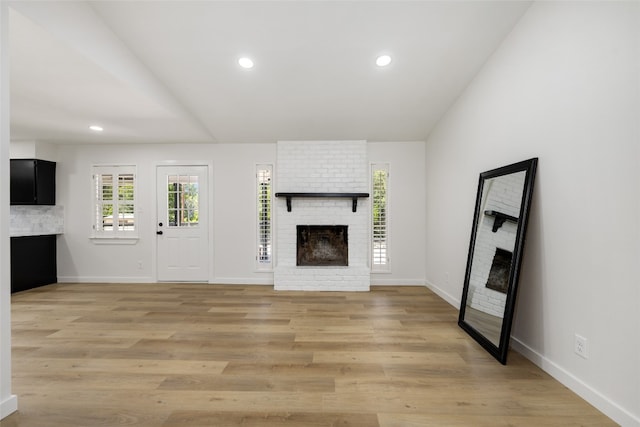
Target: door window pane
{"type": "Point", "coordinates": [182, 200]}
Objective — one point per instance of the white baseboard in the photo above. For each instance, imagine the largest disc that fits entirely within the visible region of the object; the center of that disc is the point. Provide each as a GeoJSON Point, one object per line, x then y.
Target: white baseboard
{"type": "Point", "coordinates": [121, 279]}
{"type": "Point", "coordinates": [454, 301]}
{"type": "Point", "coordinates": [235, 281]}
{"type": "Point", "coordinates": [585, 391]}
{"type": "Point", "coordinates": [224, 280]}
{"type": "Point", "coordinates": [320, 288]}
{"type": "Point", "coordinates": [8, 406]}
{"type": "Point", "coordinates": [103, 279]}
{"type": "Point", "coordinates": [377, 281]}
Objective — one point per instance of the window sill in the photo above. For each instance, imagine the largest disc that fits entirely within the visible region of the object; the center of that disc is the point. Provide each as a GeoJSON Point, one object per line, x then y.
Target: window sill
{"type": "Point", "coordinates": [112, 240]}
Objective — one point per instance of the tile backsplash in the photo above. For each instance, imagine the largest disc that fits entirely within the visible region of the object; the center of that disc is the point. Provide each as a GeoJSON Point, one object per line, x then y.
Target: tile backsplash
{"type": "Point", "coordinates": [35, 220]}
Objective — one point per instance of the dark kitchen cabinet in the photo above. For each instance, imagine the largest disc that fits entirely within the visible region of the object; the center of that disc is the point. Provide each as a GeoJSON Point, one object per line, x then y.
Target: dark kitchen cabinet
{"type": "Point", "coordinates": [33, 182]}
{"type": "Point", "coordinates": [33, 262]}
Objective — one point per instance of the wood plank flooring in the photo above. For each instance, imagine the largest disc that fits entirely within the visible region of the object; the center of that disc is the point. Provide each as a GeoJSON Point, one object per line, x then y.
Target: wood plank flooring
{"type": "Point", "coordinates": [171, 355]}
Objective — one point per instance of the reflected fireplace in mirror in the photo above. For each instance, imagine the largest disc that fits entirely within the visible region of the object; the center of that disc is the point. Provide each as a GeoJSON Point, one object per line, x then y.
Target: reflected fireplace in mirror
{"type": "Point", "coordinates": [499, 274]}
{"type": "Point", "coordinates": [322, 245]}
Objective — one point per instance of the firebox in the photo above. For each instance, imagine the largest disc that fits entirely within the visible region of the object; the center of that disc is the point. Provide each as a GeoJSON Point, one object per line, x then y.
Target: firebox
{"type": "Point", "coordinates": [322, 245]}
{"type": "Point", "coordinates": [499, 274]}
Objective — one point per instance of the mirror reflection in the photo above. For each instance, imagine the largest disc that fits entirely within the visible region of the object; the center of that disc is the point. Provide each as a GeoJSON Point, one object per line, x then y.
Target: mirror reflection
{"type": "Point", "coordinates": [495, 255]}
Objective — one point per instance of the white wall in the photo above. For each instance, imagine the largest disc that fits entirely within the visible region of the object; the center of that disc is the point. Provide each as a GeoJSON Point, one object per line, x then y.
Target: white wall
{"type": "Point", "coordinates": [23, 150]}
{"type": "Point", "coordinates": [233, 212]}
{"type": "Point", "coordinates": [406, 209]}
{"type": "Point", "coordinates": [33, 150]}
{"type": "Point", "coordinates": [564, 87]}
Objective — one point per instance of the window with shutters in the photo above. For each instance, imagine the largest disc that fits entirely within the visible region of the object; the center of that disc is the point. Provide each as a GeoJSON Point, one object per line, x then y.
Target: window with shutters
{"type": "Point", "coordinates": [114, 201]}
{"type": "Point", "coordinates": [379, 216]}
{"type": "Point", "coordinates": [263, 217]}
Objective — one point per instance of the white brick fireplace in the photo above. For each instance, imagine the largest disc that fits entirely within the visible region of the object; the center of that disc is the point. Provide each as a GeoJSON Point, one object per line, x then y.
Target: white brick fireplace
{"type": "Point", "coordinates": [322, 167]}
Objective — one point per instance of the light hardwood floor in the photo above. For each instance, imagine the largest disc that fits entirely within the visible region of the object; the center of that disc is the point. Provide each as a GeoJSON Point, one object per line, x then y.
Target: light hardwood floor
{"type": "Point", "coordinates": [211, 355]}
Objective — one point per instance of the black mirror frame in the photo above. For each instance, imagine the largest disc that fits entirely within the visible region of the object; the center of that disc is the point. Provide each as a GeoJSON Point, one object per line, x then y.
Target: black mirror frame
{"type": "Point", "coordinates": [500, 351]}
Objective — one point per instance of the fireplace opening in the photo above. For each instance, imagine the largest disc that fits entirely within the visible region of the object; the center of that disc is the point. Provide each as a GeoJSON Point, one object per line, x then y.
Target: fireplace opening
{"type": "Point", "coordinates": [499, 274]}
{"type": "Point", "coordinates": [322, 245]}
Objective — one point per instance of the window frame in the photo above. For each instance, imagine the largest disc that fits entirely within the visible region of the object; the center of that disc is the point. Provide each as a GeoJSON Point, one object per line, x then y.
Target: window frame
{"type": "Point", "coordinates": [377, 267]}
{"type": "Point", "coordinates": [115, 235]}
{"type": "Point", "coordinates": [267, 264]}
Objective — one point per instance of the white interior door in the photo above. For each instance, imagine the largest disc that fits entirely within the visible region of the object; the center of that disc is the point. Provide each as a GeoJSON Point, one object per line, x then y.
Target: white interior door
{"type": "Point", "coordinates": [182, 223]}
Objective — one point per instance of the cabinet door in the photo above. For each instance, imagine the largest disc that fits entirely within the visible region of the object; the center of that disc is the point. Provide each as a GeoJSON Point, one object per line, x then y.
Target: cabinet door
{"type": "Point", "coordinates": [45, 182]}
{"type": "Point", "coordinates": [33, 262]}
{"type": "Point", "coordinates": [33, 182]}
{"type": "Point", "coordinates": [23, 182]}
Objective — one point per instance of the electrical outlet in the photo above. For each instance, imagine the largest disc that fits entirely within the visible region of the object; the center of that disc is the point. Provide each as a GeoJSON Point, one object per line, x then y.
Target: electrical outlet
{"type": "Point", "coordinates": [139, 265]}
{"type": "Point", "coordinates": [446, 278]}
{"type": "Point", "coordinates": [581, 346]}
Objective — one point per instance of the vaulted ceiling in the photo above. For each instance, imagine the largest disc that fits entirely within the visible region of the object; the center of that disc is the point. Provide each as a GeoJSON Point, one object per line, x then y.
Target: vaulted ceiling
{"type": "Point", "coordinates": [167, 71]}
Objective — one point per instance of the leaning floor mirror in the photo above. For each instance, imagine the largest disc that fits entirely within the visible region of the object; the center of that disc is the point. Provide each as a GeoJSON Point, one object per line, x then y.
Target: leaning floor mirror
{"type": "Point", "coordinates": [495, 255]}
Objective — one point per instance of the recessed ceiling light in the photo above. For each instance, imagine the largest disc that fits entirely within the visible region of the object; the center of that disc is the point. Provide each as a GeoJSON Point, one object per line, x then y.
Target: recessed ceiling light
{"type": "Point", "coordinates": [383, 60]}
{"type": "Point", "coordinates": [96, 128]}
{"type": "Point", "coordinates": [245, 62]}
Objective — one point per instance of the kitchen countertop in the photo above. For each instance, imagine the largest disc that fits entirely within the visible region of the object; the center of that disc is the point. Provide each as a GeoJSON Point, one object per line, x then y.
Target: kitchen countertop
{"type": "Point", "coordinates": [36, 220]}
{"type": "Point", "coordinates": [32, 233]}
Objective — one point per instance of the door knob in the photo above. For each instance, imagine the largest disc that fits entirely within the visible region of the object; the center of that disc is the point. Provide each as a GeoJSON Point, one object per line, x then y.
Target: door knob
{"type": "Point", "coordinates": [159, 232]}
